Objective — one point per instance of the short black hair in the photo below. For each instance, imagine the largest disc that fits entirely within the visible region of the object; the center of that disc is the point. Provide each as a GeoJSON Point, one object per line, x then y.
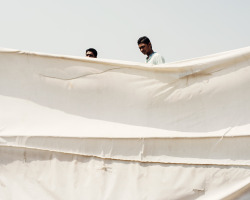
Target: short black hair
{"type": "Point", "coordinates": [143, 39]}
{"type": "Point", "coordinates": [93, 51]}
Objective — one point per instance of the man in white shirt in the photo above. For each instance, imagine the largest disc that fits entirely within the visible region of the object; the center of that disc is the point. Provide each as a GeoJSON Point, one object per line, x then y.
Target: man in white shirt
{"type": "Point", "coordinates": [145, 47]}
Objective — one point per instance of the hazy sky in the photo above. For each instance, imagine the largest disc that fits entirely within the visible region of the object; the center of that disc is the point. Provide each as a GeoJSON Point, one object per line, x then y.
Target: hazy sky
{"type": "Point", "coordinates": [178, 29]}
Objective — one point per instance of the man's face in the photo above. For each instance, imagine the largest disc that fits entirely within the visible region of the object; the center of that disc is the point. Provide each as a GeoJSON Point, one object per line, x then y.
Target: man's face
{"type": "Point", "coordinates": [145, 48]}
{"type": "Point", "coordinates": [90, 54]}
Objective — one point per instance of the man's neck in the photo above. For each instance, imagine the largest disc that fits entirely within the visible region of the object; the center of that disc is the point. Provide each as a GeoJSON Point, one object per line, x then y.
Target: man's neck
{"type": "Point", "coordinates": [148, 54]}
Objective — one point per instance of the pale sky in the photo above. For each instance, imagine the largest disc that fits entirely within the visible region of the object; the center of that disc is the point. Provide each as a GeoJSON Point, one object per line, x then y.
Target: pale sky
{"type": "Point", "coordinates": [178, 29]}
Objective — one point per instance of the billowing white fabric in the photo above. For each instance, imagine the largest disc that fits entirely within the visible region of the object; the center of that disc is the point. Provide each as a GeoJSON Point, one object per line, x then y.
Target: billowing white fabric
{"type": "Point", "coordinates": [82, 128]}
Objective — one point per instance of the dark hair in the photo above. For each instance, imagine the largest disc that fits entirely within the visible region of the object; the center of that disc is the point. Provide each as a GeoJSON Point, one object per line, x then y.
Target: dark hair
{"type": "Point", "coordinates": [93, 51]}
{"type": "Point", "coordinates": [143, 39]}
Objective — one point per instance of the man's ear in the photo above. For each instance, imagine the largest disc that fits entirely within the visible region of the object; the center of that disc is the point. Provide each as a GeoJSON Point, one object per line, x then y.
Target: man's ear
{"type": "Point", "coordinates": [149, 44]}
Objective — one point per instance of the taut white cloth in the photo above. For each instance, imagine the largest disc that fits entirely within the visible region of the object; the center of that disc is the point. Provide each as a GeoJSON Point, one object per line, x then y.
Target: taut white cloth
{"type": "Point", "coordinates": [82, 128]}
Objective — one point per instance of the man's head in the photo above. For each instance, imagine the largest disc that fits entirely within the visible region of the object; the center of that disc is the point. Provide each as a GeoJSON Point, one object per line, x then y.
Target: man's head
{"type": "Point", "coordinates": [144, 45]}
{"type": "Point", "coordinates": [92, 53]}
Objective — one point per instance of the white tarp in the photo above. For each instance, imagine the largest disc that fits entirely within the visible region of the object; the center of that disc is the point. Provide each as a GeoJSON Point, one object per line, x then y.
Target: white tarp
{"type": "Point", "coordinates": [80, 128]}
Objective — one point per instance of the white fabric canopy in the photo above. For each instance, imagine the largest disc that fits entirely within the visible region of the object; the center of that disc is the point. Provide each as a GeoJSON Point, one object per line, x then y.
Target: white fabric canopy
{"type": "Point", "coordinates": [82, 128]}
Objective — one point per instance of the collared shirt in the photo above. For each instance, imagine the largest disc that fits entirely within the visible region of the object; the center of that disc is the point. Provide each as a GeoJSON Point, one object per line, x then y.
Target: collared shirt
{"type": "Point", "coordinates": [155, 59]}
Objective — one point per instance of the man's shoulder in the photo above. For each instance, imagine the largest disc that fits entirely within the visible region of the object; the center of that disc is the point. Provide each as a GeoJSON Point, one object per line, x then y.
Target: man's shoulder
{"type": "Point", "coordinates": [158, 59]}
{"type": "Point", "coordinates": [157, 55]}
